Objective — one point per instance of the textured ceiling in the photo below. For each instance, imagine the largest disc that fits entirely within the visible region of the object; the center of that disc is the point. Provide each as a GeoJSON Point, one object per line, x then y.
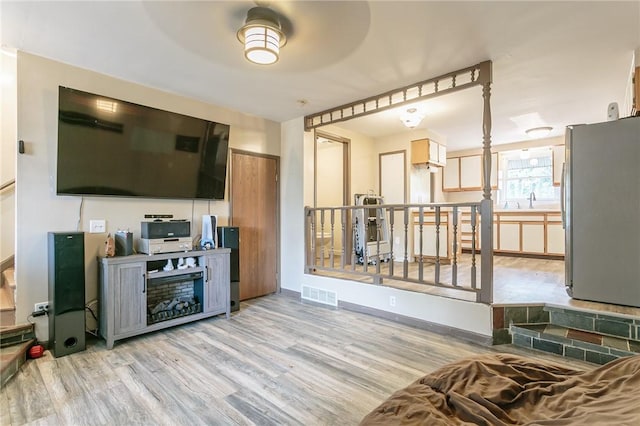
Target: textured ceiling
{"type": "Point", "coordinates": [554, 63]}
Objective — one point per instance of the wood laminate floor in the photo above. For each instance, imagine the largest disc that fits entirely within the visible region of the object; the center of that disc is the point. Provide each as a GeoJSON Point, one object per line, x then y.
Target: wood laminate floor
{"type": "Point", "coordinates": [516, 280]}
{"type": "Point", "coordinates": [277, 361]}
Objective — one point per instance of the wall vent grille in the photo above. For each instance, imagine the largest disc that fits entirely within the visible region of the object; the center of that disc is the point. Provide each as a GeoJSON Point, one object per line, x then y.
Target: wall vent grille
{"type": "Point", "coordinates": [320, 295]}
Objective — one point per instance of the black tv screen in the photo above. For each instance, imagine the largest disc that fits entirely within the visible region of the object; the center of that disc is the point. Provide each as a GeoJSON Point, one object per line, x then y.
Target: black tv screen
{"type": "Point", "coordinates": [111, 147]}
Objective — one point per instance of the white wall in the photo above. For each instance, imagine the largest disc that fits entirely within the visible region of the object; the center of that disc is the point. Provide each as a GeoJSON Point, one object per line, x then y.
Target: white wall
{"type": "Point", "coordinates": [8, 106]}
{"type": "Point", "coordinates": [293, 170]}
{"type": "Point", "coordinates": [40, 210]}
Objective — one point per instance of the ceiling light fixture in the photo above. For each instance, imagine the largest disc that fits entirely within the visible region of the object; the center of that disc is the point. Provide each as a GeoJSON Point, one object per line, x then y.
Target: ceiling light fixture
{"type": "Point", "coordinates": [411, 118]}
{"type": "Point", "coordinates": [538, 132]}
{"type": "Point", "coordinates": [262, 36]}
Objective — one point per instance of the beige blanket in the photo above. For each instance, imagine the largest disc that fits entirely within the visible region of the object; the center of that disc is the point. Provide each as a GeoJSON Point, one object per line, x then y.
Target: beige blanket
{"type": "Point", "coordinates": [507, 389]}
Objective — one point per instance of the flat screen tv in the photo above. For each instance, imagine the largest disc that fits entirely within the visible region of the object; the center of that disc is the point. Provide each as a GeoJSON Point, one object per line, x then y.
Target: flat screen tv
{"type": "Point", "coordinates": [111, 147]}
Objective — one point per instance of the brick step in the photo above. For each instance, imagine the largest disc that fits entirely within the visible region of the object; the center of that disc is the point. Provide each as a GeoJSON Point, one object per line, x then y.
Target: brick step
{"type": "Point", "coordinates": [609, 323]}
{"type": "Point", "coordinates": [573, 343]}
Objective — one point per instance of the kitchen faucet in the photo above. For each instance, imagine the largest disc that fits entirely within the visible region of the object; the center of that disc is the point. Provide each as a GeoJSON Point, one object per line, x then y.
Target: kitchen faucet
{"type": "Point", "coordinates": [532, 198]}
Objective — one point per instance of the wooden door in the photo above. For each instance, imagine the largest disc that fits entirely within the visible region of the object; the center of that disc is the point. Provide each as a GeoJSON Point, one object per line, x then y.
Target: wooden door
{"type": "Point", "coordinates": [254, 210]}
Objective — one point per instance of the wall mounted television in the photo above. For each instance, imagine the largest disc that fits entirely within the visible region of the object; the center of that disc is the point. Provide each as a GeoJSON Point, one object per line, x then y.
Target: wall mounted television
{"type": "Point", "coordinates": [112, 147]}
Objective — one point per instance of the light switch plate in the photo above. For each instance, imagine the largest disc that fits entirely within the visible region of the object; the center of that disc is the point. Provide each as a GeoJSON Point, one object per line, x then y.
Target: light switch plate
{"type": "Point", "coordinates": [97, 226]}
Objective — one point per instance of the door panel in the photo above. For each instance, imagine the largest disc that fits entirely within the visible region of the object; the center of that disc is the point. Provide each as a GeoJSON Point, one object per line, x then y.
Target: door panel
{"type": "Point", "coordinates": [254, 209]}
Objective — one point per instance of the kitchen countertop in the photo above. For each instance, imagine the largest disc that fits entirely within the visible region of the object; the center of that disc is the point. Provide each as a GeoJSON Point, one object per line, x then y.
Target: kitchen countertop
{"type": "Point", "coordinates": [526, 210]}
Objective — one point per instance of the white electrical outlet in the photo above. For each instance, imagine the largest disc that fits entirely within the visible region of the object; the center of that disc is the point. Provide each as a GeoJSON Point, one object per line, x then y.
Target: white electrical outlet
{"type": "Point", "coordinates": [97, 226]}
{"type": "Point", "coordinates": [41, 307]}
{"type": "Point", "coordinates": [392, 301]}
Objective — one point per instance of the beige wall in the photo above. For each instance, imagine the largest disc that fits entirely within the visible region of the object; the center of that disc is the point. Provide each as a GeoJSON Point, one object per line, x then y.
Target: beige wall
{"type": "Point", "coordinates": [7, 153]}
{"type": "Point", "coordinates": [40, 210]}
{"type": "Point", "coordinates": [364, 160]}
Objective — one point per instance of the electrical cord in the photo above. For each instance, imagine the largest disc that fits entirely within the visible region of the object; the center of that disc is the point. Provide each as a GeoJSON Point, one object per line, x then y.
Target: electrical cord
{"type": "Point", "coordinates": [80, 213]}
{"type": "Point", "coordinates": [95, 317]}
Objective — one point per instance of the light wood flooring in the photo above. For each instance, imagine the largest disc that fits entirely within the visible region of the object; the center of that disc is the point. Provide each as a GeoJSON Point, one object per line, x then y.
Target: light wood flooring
{"type": "Point", "coordinates": [277, 361]}
{"type": "Point", "coordinates": [516, 280]}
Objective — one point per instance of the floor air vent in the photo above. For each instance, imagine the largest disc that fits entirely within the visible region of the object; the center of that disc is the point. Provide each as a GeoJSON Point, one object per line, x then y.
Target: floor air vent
{"type": "Point", "coordinates": [319, 295]}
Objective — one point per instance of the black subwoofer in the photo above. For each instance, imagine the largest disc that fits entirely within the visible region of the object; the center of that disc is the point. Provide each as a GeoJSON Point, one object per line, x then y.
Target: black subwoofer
{"type": "Point", "coordinates": [66, 293]}
{"type": "Point", "coordinates": [229, 237]}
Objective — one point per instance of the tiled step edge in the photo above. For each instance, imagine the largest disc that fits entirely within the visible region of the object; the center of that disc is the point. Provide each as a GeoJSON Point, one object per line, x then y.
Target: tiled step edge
{"type": "Point", "coordinates": [571, 348]}
{"type": "Point", "coordinates": [12, 358]}
{"type": "Point", "coordinates": [16, 334]}
{"type": "Point", "coordinates": [505, 315]}
{"type": "Point", "coordinates": [616, 325]}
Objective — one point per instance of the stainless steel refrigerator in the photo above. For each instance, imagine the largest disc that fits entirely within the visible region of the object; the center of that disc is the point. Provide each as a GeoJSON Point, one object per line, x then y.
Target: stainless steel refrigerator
{"type": "Point", "coordinates": [601, 211]}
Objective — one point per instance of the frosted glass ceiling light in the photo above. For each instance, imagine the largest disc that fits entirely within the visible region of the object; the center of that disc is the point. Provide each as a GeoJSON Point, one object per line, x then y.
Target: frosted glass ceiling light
{"type": "Point", "coordinates": [411, 118]}
{"type": "Point", "coordinates": [262, 36]}
{"type": "Point", "coordinates": [538, 132]}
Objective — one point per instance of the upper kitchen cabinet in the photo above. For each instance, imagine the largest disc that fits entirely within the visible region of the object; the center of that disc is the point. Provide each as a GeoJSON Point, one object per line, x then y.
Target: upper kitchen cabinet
{"type": "Point", "coordinates": [558, 161]}
{"type": "Point", "coordinates": [464, 173]}
{"type": "Point", "coordinates": [426, 151]}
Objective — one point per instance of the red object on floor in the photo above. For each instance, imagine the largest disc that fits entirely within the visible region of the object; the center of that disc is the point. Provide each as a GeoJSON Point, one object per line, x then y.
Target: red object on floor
{"type": "Point", "coordinates": [36, 351]}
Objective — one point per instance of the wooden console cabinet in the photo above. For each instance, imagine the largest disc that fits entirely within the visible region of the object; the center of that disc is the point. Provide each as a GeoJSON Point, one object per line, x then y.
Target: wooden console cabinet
{"type": "Point", "coordinates": [125, 283]}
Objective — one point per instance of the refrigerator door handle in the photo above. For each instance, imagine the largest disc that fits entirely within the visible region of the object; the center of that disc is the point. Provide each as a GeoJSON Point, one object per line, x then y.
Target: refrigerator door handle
{"type": "Point", "coordinates": [563, 210]}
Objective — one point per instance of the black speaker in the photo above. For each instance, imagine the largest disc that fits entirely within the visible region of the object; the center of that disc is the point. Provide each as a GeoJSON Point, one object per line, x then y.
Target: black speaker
{"type": "Point", "coordinates": [66, 293]}
{"type": "Point", "coordinates": [229, 237]}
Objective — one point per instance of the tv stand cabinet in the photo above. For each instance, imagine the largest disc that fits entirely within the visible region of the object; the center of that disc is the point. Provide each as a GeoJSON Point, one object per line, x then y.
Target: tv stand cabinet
{"type": "Point", "coordinates": [129, 284]}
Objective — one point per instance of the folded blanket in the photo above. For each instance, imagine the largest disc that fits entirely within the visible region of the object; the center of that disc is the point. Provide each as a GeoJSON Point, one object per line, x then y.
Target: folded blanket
{"type": "Point", "coordinates": [504, 389]}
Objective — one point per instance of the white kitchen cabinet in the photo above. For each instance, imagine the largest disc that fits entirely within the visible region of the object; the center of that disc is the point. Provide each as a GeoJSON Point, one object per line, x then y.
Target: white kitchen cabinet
{"type": "Point", "coordinates": [465, 173]}
{"type": "Point", "coordinates": [445, 237]}
{"type": "Point", "coordinates": [555, 239]}
{"type": "Point", "coordinates": [533, 238]}
{"type": "Point", "coordinates": [509, 237]}
{"type": "Point", "coordinates": [451, 175]}
{"type": "Point", "coordinates": [558, 161]}
{"type": "Point", "coordinates": [471, 172]}
{"type": "Point", "coordinates": [529, 232]}
{"type": "Point", "coordinates": [429, 240]}
{"type": "Point", "coordinates": [442, 154]}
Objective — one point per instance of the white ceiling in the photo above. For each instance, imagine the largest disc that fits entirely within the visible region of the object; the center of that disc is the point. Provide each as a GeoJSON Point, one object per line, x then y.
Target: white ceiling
{"type": "Point", "coordinates": [554, 63]}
